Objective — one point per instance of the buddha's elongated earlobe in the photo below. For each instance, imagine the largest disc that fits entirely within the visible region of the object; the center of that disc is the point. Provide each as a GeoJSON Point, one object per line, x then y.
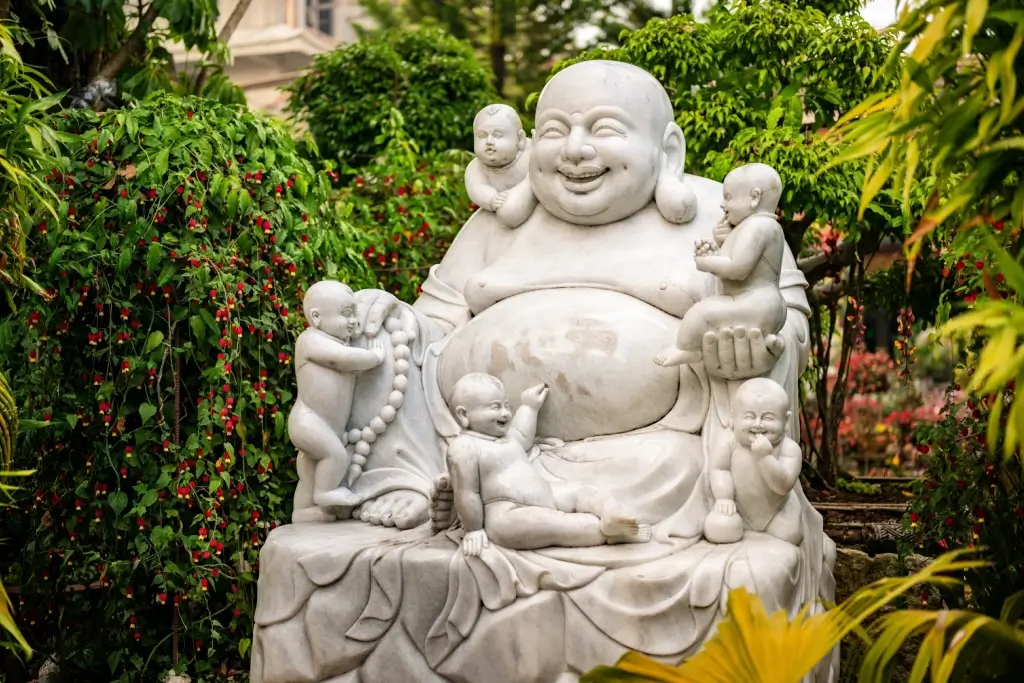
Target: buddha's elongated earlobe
{"type": "Point", "coordinates": [676, 202]}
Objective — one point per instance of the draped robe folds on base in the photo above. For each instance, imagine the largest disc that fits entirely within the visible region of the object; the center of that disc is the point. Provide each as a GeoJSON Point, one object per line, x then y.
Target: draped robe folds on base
{"type": "Point", "coordinates": [347, 602]}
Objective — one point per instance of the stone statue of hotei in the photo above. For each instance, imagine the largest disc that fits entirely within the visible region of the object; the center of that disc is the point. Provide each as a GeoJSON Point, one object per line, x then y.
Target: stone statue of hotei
{"type": "Point", "coordinates": [498, 495]}
{"type": "Point", "coordinates": [579, 296]}
{"type": "Point", "coordinates": [496, 180]}
{"type": "Point", "coordinates": [746, 255]}
{"type": "Point", "coordinates": [753, 474]}
{"type": "Point", "coordinates": [326, 366]}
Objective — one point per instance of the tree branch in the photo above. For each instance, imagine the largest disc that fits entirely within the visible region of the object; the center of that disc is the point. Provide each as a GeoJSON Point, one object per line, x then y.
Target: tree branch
{"type": "Point", "coordinates": [226, 32]}
{"type": "Point", "coordinates": [817, 267]}
{"type": "Point", "coordinates": [131, 48]}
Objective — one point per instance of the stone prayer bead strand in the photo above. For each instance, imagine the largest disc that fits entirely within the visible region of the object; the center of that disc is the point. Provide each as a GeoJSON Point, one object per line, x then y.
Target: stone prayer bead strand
{"type": "Point", "coordinates": [363, 438]}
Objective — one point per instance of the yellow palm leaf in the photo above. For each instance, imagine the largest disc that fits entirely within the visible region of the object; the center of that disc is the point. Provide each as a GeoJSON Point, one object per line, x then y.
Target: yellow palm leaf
{"type": "Point", "coordinates": [747, 646]}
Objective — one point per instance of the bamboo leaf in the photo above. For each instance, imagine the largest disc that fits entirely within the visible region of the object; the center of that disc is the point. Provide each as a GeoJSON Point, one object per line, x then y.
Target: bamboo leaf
{"type": "Point", "coordinates": [975, 16]}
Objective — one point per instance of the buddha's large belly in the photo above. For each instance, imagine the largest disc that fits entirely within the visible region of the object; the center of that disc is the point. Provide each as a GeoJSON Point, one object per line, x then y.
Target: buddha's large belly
{"type": "Point", "coordinates": [594, 348]}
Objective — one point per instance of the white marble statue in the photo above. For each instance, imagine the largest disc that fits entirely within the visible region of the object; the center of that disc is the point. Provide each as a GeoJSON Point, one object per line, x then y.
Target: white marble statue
{"type": "Point", "coordinates": [746, 255]}
{"type": "Point", "coordinates": [325, 371]}
{"type": "Point", "coordinates": [753, 474]}
{"type": "Point", "coordinates": [498, 495]}
{"type": "Point", "coordinates": [496, 180]}
{"type": "Point", "coordinates": [579, 297]}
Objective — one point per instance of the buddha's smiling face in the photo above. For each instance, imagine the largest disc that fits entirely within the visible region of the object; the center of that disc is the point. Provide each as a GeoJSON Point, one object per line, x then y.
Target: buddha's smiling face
{"type": "Point", "coordinates": [597, 148]}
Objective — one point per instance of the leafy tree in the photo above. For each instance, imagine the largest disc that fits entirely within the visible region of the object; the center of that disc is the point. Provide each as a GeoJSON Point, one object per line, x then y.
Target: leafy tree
{"type": "Point", "coordinates": [520, 40]}
{"type": "Point", "coordinates": [186, 233]}
{"type": "Point", "coordinates": [759, 81]}
{"type": "Point", "coordinates": [83, 43]}
{"type": "Point", "coordinates": [432, 78]}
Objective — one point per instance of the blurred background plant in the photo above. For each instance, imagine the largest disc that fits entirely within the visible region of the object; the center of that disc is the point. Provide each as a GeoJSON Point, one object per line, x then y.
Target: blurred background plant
{"type": "Point", "coordinates": [431, 77]}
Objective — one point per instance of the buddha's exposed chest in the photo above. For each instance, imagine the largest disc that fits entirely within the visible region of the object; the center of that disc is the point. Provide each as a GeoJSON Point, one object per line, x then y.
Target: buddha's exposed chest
{"type": "Point", "coordinates": [643, 257]}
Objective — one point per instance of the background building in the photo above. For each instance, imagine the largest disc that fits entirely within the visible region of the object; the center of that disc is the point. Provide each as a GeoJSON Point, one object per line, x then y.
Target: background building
{"type": "Point", "coordinates": [276, 40]}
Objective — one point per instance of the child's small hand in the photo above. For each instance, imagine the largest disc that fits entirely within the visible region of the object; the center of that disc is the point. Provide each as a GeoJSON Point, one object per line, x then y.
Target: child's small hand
{"type": "Point", "coordinates": [534, 397]}
{"type": "Point", "coordinates": [499, 201]}
{"type": "Point", "coordinates": [761, 446]}
{"type": "Point", "coordinates": [722, 230]}
{"type": "Point", "coordinates": [474, 543]}
{"type": "Point", "coordinates": [704, 248]}
{"type": "Point", "coordinates": [376, 345]}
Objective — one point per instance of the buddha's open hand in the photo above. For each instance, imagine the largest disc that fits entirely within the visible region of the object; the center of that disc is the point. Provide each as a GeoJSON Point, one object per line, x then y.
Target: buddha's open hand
{"type": "Point", "coordinates": [736, 353]}
{"type": "Point", "coordinates": [760, 446]}
{"type": "Point", "coordinates": [534, 397]}
{"type": "Point", "coordinates": [725, 507]}
{"type": "Point", "coordinates": [378, 305]}
{"type": "Point", "coordinates": [442, 504]}
{"type": "Point", "coordinates": [474, 542]}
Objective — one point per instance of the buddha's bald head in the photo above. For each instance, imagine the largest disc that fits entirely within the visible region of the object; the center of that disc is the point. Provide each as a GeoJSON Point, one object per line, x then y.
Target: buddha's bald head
{"type": "Point", "coordinates": [605, 140]}
{"type": "Point", "coordinates": [591, 83]}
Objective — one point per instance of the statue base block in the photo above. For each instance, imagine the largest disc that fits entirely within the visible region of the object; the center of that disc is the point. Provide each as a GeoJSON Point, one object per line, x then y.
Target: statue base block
{"type": "Point", "coordinates": [349, 602]}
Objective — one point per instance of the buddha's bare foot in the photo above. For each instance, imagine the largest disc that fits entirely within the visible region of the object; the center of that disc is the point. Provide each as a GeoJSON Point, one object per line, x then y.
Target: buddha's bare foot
{"type": "Point", "coordinates": [619, 524]}
{"type": "Point", "coordinates": [672, 357]}
{"type": "Point", "coordinates": [402, 509]}
{"type": "Point", "coordinates": [643, 535]}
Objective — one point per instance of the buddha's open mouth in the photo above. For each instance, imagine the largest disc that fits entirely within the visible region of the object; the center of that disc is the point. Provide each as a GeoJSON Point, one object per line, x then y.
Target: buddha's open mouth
{"type": "Point", "coordinates": [582, 179]}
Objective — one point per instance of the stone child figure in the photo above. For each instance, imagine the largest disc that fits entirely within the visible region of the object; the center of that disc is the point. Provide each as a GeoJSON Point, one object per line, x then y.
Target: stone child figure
{"type": "Point", "coordinates": [753, 474]}
{"type": "Point", "coordinates": [502, 499]}
{"type": "Point", "coordinates": [325, 371]}
{"type": "Point", "coordinates": [746, 256]}
{"type": "Point", "coordinates": [497, 179]}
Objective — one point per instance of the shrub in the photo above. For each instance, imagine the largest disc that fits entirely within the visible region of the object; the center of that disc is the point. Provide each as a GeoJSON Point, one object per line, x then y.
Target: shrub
{"type": "Point", "coordinates": [968, 497]}
{"type": "Point", "coordinates": [187, 233]}
{"type": "Point", "coordinates": [412, 207]}
{"type": "Point", "coordinates": [431, 77]}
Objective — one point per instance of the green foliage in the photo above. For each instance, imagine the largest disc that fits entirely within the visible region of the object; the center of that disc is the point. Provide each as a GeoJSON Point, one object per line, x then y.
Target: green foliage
{"type": "Point", "coordinates": [411, 205]}
{"type": "Point", "coordinates": [186, 234]}
{"type": "Point", "coordinates": [854, 486]}
{"type": "Point", "coordinates": [28, 145]}
{"type": "Point", "coordinates": [432, 78]}
{"type": "Point", "coordinates": [966, 498]}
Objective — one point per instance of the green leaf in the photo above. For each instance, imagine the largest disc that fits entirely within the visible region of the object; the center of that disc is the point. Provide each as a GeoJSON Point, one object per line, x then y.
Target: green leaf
{"type": "Point", "coordinates": [244, 645]}
{"type": "Point", "coordinates": [124, 260]}
{"type": "Point", "coordinates": [72, 419]}
{"type": "Point", "coordinates": [160, 537]}
{"type": "Point", "coordinates": [162, 160]}
{"type": "Point", "coordinates": [56, 256]}
{"type": "Point", "coordinates": [154, 255]}
{"type": "Point", "coordinates": [148, 499]}
{"type": "Point", "coordinates": [154, 340]}
{"type": "Point", "coordinates": [198, 328]}
{"type": "Point", "coordinates": [118, 501]}
{"type": "Point", "coordinates": [147, 411]}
